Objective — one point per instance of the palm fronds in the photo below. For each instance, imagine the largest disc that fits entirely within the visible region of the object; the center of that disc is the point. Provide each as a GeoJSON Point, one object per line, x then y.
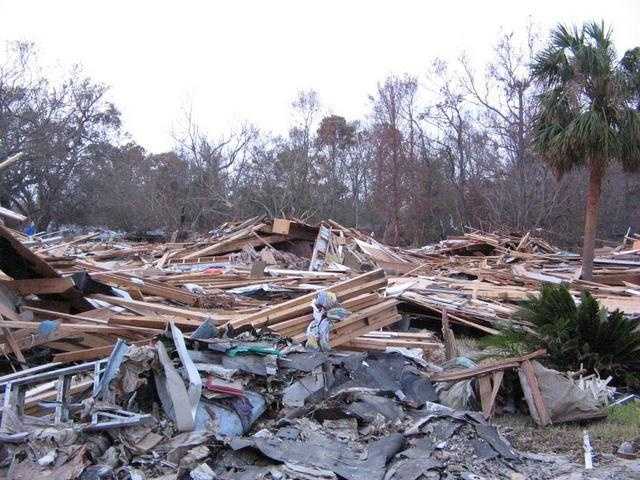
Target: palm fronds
{"type": "Point", "coordinates": [575, 336]}
{"type": "Point", "coordinates": [589, 100]}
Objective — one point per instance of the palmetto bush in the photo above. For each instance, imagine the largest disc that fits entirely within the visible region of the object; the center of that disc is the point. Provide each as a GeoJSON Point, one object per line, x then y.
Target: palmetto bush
{"type": "Point", "coordinates": [575, 335]}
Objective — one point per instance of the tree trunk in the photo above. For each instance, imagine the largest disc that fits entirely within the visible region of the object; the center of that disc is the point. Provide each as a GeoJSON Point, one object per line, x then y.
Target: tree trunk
{"type": "Point", "coordinates": [596, 172]}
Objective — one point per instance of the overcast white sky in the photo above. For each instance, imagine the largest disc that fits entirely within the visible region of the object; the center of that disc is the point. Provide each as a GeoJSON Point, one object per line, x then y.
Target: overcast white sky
{"type": "Point", "coordinates": [245, 59]}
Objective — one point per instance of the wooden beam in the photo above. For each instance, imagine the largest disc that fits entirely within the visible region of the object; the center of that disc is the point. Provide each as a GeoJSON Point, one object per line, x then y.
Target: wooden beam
{"type": "Point", "coordinates": [497, 382]}
{"type": "Point", "coordinates": [164, 309]}
{"type": "Point", "coordinates": [514, 362]}
{"type": "Point", "coordinates": [18, 217]}
{"type": "Point", "coordinates": [150, 287]}
{"type": "Point", "coordinates": [353, 287]}
{"type": "Point", "coordinates": [374, 323]}
{"type": "Point", "coordinates": [90, 353]}
{"type": "Point", "coordinates": [7, 162]}
{"type": "Point", "coordinates": [532, 394]}
{"type": "Point", "coordinates": [52, 314]}
{"type": "Point", "coordinates": [154, 322]}
{"type": "Point", "coordinates": [450, 348]}
{"type": "Point", "coordinates": [485, 388]}
{"type": "Point", "coordinates": [364, 342]}
{"type": "Point", "coordinates": [294, 326]}
{"type": "Point", "coordinates": [75, 327]}
{"type": "Point", "coordinates": [40, 285]}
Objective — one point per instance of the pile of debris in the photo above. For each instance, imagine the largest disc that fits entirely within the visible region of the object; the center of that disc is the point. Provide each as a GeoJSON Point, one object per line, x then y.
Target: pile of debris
{"type": "Point", "coordinates": [248, 406]}
{"type": "Point", "coordinates": [271, 348]}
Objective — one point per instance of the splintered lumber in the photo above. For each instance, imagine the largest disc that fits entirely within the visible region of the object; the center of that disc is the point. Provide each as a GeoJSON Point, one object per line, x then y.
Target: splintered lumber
{"type": "Point", "coordinates": [381, 340]}
{"type": "Point", "coordinates": [219, 246]}
{"type": "Point", "coordinates": [353, 287]}
{"type": "Point", "coordinates": [149, 287]}
{"type": "Point", "coordinates": [489, 380]}
{"type": "Point", "coordinates": [364, 321]}
{"type": "Point", "coordinates": [435, 306]}
{"type": "Point", "coordinates": [76, 240]}
{"type": "Point", "coordinates": [294, 326]}
{"type": "Point", "coordinates": [226, 283]}
{"type": "Point", "coordinates": [163, 309]}
{"type": "Point", "coordinates": [52, 314]}
{"type": "Point", "coordinates": [83, 355]}
{"type": "Point", "coordinates": [379, 252]}
{"type": "Point", "coordinates": [20, 263]}
{"type": "Point", "coordinates": [7, 162]}
{"type": "Point", "coordinates": [120, 253]}
{"type": "Point", "coordinates": [421, 336]}
{"type": "Point", "coordinates": [237, 245]}
{"type": "Point", "coordinates": [629, 305]}
{"type": "Point", "coordinates": [381, 305]}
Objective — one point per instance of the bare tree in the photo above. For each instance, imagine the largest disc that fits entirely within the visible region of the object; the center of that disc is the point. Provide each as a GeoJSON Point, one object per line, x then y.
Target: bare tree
{"type": "Point", "coordinates": [212, 163]}
{"type": "Point", "coordinates": [53, 125]}
{"type": "Point", "coordinates": [524, 194]}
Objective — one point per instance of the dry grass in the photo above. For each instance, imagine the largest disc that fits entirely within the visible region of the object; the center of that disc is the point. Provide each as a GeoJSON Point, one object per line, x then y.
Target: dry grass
{"type": "Point", "coordinates": [622, 424]}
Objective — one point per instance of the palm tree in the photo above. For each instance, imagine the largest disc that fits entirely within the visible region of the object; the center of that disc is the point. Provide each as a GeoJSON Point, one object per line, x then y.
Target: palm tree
{"type": "Point", "coordinates": [588, 112]}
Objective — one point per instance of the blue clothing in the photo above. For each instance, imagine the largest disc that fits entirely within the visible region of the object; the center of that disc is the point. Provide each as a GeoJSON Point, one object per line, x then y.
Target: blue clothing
{"type": "Point", "coordinates": [30, 230]}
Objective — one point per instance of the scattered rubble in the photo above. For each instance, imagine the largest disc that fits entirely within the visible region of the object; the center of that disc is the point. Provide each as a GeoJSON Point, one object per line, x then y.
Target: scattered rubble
{"type": "Point", "coordinates": [274, 349]}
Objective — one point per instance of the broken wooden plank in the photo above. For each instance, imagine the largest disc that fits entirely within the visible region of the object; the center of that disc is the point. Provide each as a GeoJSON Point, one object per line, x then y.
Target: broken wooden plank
{"type": "Point", "coordinates": [450, 348]}
{"type": "Point", "coordinates": [90, 353]}
{"type": "Point", "coordinates": [497, 382]}
{"type": "Point", "coordinates": [281, 226]}
{"type": "Point", "coordinates": [368, 282]}
{"type": "Point", "coordinates": [13, 344]}
{"type": "Point", "coordinates": [532, 394]}
{"type": "Point", "coordinates": [75, 327]}
{"type": "Point", "coordinates": [18, 261]}
{"type": "Point", "coordinates": [463, 374]}
{"type": "Point", "coordinates": [484, 389]}
{"type": "Point", "coordinates": [156, 322]}
{"type": "Point", "coordinates": [40, 285]}
{"type": "Point", "coordinates": [149, 287]}
{"type": "Point", "coordinates": [6, 213]}
{"type": "Point", "coordinates": [164, 309]}
{"type": "Point", "coordinates": [218, 246]}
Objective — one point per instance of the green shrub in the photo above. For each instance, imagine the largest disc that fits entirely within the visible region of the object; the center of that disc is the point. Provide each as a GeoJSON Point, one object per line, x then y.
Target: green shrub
{"type": "Point", "coordinates": [628, 414]}
{"type": "Point", "coordinates": [574, 336]}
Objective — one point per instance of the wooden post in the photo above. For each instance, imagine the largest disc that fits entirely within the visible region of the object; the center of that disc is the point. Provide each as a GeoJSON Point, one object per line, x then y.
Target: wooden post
{"type": "Point", "coordinates": [489, 386]}
{"type": "Point", "coordinates": [450, 349]}
{"type": "Point", "coordinates": [532, 394]}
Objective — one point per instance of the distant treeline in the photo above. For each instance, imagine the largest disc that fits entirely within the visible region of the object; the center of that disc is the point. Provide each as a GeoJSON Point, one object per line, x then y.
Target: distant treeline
{"type": "Point", "coordinates": [435, 154]}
